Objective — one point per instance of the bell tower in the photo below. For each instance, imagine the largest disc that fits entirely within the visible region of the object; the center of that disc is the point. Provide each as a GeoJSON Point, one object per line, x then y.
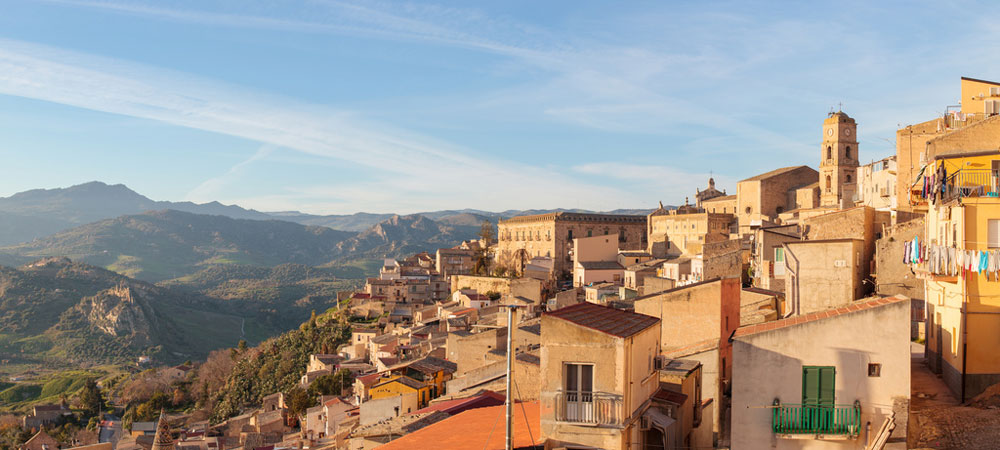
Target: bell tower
{"type": "Point", "coordinates": [838, 163]}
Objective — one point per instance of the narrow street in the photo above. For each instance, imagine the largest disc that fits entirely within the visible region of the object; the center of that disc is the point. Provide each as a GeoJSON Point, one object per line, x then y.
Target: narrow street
{"type": "Point", "coordinates": [938, 421]}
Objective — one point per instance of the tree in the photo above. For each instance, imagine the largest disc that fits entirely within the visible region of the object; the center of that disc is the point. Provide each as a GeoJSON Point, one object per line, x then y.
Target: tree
{"type": "Point", "coordinates": [299, 401]}
{"type": "Point", "coordinates": [90, 399]}
{"type": "Point", "coordinates": [332, 384]}
{"type": "Point", "coordinates": [482, 265]}
{"type": "Point", "coordinates": [242, 345]}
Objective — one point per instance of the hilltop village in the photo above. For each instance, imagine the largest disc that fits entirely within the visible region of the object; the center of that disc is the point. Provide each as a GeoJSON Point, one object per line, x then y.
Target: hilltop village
{"type": "Point", "coordinates": [783, 312]}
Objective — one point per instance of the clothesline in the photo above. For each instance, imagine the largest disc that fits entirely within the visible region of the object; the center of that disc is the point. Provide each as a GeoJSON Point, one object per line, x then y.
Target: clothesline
{"type": "Point", "coordinates": [951, 261]}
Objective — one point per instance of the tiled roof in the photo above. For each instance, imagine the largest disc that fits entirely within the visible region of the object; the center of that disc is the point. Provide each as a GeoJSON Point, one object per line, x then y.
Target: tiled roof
{"type": "Point", "coordinates": [605, 319]}
{"type": "Point", "coordinates": [429, 365]}
{"type": "Point", "coordinates": [453, 407]}
{"type": "Point", "coordinates": [601, 265]}
{"type": "Point", "coordinates": [757, 290]}
{"type": "Point", "coordinates": [474, 430]}
{"type": "Point", "coordinates": [691, 349]}
{"type": "Point", "coordinates": [676, 398]}
{"type": "Point", "coordinates": [860, 305]}
{"type": "Point", "coordinates": [775, 173]}
{"type": "Point", "coordinates": [405, 381]}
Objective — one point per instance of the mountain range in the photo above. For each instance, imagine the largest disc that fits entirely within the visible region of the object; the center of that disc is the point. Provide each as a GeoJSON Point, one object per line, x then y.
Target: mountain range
{"type": "Point", "coordinates": [38, 213]}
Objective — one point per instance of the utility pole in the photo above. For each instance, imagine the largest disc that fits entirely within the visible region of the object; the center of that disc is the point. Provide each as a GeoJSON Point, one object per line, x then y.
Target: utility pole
{"type": "Point", "coordinates": [510, 374]}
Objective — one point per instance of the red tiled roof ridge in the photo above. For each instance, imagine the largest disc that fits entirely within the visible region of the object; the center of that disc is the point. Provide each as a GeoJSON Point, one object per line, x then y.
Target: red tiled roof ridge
{"type": "Point", "coordinates": [604, 319]}
{"type": "Point", "coordinates": [858, 305]}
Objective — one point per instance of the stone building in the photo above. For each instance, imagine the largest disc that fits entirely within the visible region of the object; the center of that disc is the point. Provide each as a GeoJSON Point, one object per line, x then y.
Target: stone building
{"type": "Point", "coordinates": [455, 261]}
{"type": "Point", "coordinates": [839, 162]}
{"type": "Point", "coordinates": [524, 237]}
{"type": "Point", "coordinates": [709, 193]}
{"type": "Point", "coordinates": [823, 274]}
{"type": "Point", "coordinates": [762, 198]}
{"type": "Point", "coordinates": [677, 233]}
{"type": "Point", "coordinates": [721, 205]}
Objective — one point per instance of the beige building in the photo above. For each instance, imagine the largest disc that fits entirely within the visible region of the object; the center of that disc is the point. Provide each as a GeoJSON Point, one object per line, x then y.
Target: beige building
{"type": "Point", "coordinates": [677, 233]}
{"type": "Point", "coordinates": [761, 199]}
{"type": "Point", "coordinates": [598, 374]}
{"type": "Point", "coordinates": [454, 261]}
{"type": "Point", "coordinates": [827, 380]}
{"type": "Point", "coordinates": [877, 185]}
{"type": "Point", "coordinates": [823, 274]}
{"type": "Point", "coordinates": [524, 237]}
{"type": "Point", "coordinates": [702, 196]}
{"type": "Point", "coordinates": [767, 255]}
{"type": "Point", "coordinates": [701, 319]}
{"type": "Point", "coordinates": [839, 162]}
{"type": "Point", "coordinates": [721, 205]}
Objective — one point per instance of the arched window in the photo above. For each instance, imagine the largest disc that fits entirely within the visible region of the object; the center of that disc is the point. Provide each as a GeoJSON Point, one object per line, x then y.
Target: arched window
{"type": "Point", "coordinates": [847, 154]}
{"type": "Point", "coordinates": [779, 210]}
{"type": "Point", "coordinates": [829, 152]}
{"type": "Point", "coordinates": [828, 183]}
{"type": "Point", "coordinates": [748, 210]}
{"type": "Point", "coordinates": [848, 178]}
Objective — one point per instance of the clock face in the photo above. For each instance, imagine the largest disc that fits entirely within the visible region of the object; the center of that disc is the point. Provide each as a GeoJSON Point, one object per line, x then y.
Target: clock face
{"type": "Point", "coordinates": [847, 131]}
{"type": "Point", "coordinates": [829, 131]}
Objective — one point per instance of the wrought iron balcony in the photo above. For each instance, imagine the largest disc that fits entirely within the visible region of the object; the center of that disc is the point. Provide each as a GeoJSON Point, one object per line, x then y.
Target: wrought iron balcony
{"type": "Point", "coordinates": [797, 419]}
{"type": "Point", "coordinates": [595, 408]}
{"type": "Point", "coordinates": [971, 183]}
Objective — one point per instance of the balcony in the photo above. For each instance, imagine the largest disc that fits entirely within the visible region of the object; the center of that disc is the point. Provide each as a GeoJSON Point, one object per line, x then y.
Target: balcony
{"type": "Point", "coordinates": [972, 183]}
{"type": "Point", "coordinates": [589, 408]}
{"type": "Point", "coordinates": [821, 422]}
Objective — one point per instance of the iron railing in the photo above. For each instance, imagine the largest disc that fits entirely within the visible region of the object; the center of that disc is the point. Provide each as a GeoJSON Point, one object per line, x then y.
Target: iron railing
{"type": "Point", "coordinates": [816, 419]}
{"type": "Point", "coordinates": [597, 408]}
{"type": "Point", "coordinates": [972, 183]}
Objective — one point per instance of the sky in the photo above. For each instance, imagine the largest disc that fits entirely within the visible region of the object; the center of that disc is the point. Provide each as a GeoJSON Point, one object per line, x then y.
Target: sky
{"type": "Point", "coordinates": [333, 107]}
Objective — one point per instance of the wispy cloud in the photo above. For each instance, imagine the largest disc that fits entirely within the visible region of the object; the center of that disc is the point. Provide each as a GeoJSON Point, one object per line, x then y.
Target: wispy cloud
{"type": "Point", "coordinates": [409, 172]}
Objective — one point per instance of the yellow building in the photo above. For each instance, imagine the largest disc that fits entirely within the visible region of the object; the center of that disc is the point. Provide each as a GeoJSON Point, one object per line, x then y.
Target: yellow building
{"type": "Point", "coordinates": [397, 385]}
{"type": "Point", "coordinates": [979, 100]}
{"type": "Point", "coordinates": [963, 307]}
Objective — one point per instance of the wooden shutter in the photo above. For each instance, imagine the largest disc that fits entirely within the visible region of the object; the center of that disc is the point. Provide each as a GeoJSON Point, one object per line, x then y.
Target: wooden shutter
{"type": "Point", "coordinates": [818, 385]}
{"type": "Point", "coordinates": [993, 233]}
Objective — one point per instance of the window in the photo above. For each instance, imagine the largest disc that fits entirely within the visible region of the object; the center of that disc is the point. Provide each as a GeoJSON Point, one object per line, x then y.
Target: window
{"type": "Point", "coordinates": [874, 369]}
{"type": "Point", "coordinates": [570, 235]}
{"type": "Point", "coordinates": [828, 183]}
{"type": "Point", "coordinates": [829, 152]}
{"type": "Point", "coordinates": [579, 392]}
{"type": "Point", "coordinates": [621, 235]}
{"type": "Point", "coordinates": [590, 233]}
{"type": "Point", "coordinates": [847, 153]}
{"type": "Point", "coordinates": [848, 178]}
{"type": "Point", "coordinates": [818, 385]}
{"type": "Point", "coordinates": [779, 262]}
{"type": "Point", "coordinates": [748, 210]}
{"type": "Point", "coordinates": [993, 233]}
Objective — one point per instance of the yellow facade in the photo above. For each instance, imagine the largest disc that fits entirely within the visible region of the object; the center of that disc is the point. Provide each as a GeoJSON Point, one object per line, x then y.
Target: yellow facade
{"type": "Point", "coordinates": [964, 312]}
{"type": "Point", "coordinates": [687, 234]}
{"type": "Point", "coordinates": [976, 94]}
{"type": "Point", "coordinates": [394, 386]}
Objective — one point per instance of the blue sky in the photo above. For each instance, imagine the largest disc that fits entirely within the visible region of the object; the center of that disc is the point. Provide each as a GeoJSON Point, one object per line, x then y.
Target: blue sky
{"type": "Point", "coordinates": [339, 107]}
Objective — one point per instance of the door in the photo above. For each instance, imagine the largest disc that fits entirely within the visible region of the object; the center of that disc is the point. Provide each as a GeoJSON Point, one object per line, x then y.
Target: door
{"type": "Point", "coordinates": [818, 397]}
{"type": "Point", "coordinates": [580, 393]}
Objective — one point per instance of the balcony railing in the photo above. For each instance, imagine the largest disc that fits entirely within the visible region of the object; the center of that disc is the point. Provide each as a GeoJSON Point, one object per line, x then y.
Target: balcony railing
{"type": "Point", "coordinates": [596, 408]}
{"type": "Point", "coordinates": [842, 420]}
{"type": "Point", "coordinates": [971, 183]}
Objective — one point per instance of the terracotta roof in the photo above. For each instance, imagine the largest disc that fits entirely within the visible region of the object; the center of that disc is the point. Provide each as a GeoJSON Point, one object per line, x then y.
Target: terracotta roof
{"type": "Point", "coordinates": [367, 380]}
{"type": "Point", "coordinates": [859, 305]}
{"type": "Point", "coordinates": [474, 430]}
{"type": "Point", "coordinates": [691, 349]}
{"type": "Point", "coordinates": [676, 398]}
{"type": "Point", "coordinates": [776, 172]}
{"type": "Point", "coordinates": [405, 381]}
{"type": "Point", "coordinates": [605, 319]}
{"type": "Point", "coordinates": [601, 265]}
{"type": "Point", "coordinates": [456, 406]}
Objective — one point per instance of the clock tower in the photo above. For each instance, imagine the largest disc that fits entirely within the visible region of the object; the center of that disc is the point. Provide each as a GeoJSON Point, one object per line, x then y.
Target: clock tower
{"type": "Point", "coordinates": [838, 163]}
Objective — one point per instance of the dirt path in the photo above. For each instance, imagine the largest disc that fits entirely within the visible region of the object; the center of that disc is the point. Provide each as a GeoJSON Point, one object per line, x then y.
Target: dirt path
{"type": "Point", "coordinates": [938, 421]}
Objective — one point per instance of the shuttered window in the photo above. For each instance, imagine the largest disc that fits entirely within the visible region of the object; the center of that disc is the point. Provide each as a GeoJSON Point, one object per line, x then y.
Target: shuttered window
{"type": "Point", "coordinates": [779, 262]}
{"type": "Point", "coordinates": [818, 385]}
{"type": "Point", "coordinates": [993, 233]}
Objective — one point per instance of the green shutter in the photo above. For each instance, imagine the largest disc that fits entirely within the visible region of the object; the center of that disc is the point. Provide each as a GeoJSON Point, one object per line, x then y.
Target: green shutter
{"type": "Point", "coordinates": [818, 385]}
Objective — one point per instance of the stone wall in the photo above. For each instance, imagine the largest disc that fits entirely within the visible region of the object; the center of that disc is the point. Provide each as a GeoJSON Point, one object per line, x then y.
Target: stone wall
{"type": "Point", "coordinates": [892, 276]}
